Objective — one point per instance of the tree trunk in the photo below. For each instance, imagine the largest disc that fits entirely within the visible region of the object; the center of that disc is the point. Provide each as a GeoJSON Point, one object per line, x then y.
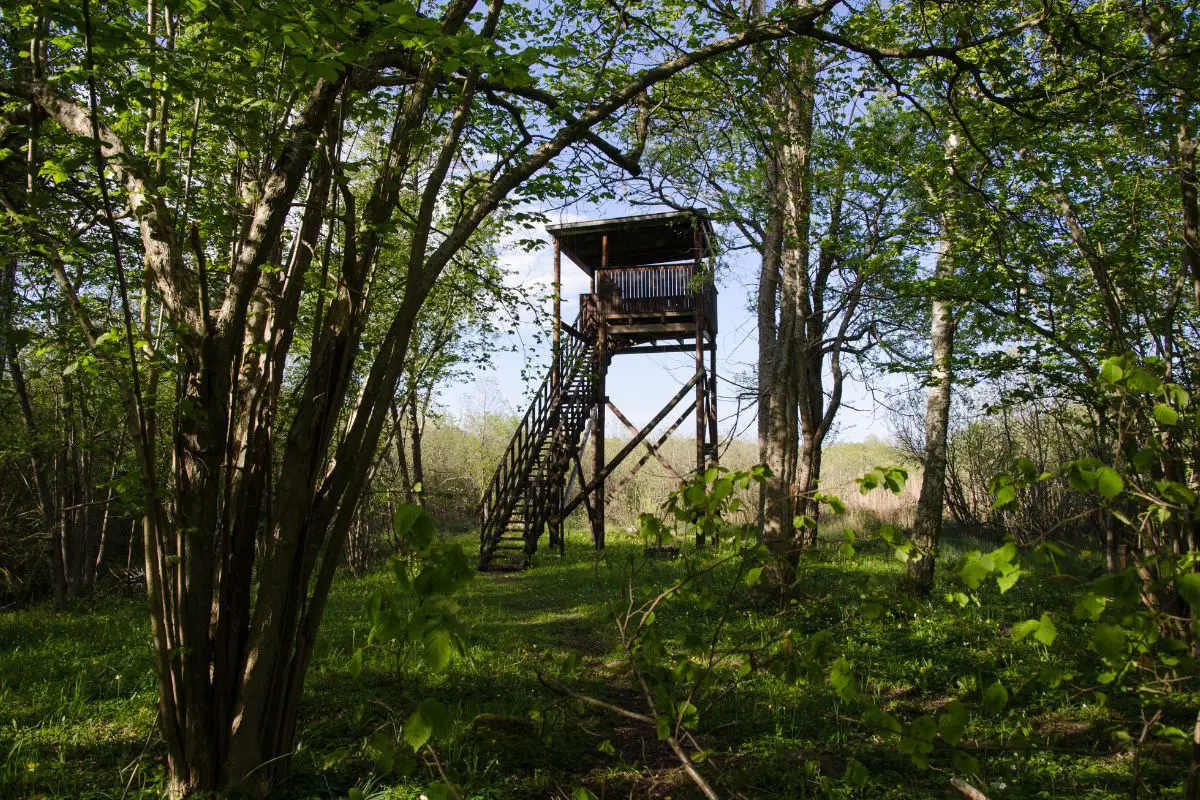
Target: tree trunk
{"type": "Point", "coordinates": [816, 412]}
{"type": "Point", "coordinates": [41, 482]}
{"type": "Point", "coordinates": [927, 527]}
{"type": "Point", "coordinates": [791, 188]}
{"type": "Point", "coordinates": [401, 453]}
{"type": "Point", "coordinates": [417, 466]}
{"type": "Point", "coordinates": [768, 345]}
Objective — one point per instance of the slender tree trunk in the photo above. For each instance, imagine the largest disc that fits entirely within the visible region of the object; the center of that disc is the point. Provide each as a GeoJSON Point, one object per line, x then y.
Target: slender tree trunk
{"type": "Point", "coordinates": [41, 482]}
{"type": "Point", "coordinates": [808, 474]}
{"type": "Point", "coordinates": [401, 454]}
{"type": "Point", "coordinates": [417, 466]}
{"type": "Point", "coordinates": [927, 527]}
{"type": "Point", "coordinates": [768, 345]}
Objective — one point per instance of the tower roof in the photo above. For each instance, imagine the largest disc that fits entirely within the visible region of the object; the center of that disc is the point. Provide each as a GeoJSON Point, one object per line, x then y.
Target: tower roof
{"type": "Point", "coordinates": [636, 241]}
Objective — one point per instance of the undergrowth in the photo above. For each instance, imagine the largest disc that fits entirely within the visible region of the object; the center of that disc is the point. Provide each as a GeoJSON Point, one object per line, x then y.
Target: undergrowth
{"type": "Point", "coordinates": [78, 695]}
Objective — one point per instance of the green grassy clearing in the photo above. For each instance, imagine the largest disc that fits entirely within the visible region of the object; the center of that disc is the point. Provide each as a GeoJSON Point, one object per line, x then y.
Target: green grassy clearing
{"type": "Point", "coordinates": [77, 695]}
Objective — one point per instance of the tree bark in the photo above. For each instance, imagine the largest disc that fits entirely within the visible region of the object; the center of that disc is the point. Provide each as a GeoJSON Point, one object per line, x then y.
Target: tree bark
{"type": "Point", "coordinates": [790, 166]}
{"type": "Point", "coordinates": [927, 526]}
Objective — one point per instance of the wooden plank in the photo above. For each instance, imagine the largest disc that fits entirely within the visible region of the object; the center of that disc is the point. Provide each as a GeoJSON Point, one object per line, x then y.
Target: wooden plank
{"type": "Point", "coordinates": [569, 328]}
{"type": "Point", "coordinates": [661, 327]}
{"type": "Point", "coordinates": [659, 348]}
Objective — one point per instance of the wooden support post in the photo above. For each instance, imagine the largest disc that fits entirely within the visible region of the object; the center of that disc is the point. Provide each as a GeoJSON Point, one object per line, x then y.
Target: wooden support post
{"type": "Point", "coordinates": [600, 410]}
{"type": "Point", "coordinates": [557, 299]}
{"type": "Point", "coordinates": [701, 398]}
{"type": "Point", "coordinates": [598, 444]}
{"type": "Point", "coordinates": [713, 438]}
{"type": "Point", "coordinates": [574, 466]}
{"type": "Point", "coordinates": [558, 456]}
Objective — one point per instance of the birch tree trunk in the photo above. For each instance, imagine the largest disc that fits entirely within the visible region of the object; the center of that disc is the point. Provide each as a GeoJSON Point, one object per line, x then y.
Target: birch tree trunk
{"type": "Point", "coordinates": [927, 527]}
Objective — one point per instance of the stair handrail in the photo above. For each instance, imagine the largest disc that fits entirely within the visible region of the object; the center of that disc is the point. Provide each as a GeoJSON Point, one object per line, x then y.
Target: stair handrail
{"type": "Point", "coordinates": [511, 468]}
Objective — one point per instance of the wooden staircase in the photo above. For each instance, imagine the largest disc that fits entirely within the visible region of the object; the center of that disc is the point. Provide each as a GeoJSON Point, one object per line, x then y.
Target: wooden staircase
{"type": "Point", "coordinates": [528, 486]}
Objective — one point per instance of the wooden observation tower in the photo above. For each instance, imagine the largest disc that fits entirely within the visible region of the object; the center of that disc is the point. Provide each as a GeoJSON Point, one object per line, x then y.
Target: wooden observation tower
{"type": "Point", "coordinates": [650, 293]}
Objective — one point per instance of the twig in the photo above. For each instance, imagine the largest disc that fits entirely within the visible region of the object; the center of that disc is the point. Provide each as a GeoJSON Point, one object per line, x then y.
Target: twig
{"type": "Point", "coordinates": [672, 742]}
{"type": "Point", "coordinates": [1137, 752]}
{"type": "Point", "coordinates": [594, 701]}
{"type": "Point", "coordinates": [442, 772]}
{"type": "Point", "coordinates": [134, 764]}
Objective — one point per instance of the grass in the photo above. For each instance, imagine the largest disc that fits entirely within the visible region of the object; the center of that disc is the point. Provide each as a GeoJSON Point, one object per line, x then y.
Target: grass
{"type": "Point", "coordinates": [77, 696]}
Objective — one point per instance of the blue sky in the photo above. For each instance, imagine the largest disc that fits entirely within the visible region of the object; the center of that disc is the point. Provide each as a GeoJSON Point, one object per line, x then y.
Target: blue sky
{"type": "Point", "coordinates": [641, 385]}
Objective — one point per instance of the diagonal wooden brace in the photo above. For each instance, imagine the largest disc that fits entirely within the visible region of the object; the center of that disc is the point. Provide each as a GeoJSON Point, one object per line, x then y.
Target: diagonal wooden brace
{"type": "Point", "coordinates": [661, 441]}
{"type": "Point", "coordinates": [634, 442]}
{"type": "Point", "coordinates": [653, 449]}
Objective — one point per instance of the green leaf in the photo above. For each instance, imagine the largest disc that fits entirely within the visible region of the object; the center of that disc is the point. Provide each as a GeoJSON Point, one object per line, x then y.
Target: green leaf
{"type": "Point", "coordinates": [972, 571]}
{"type": "Point", "coordinates": [438, 649]}
{"type": "Point", "coordinates": [961, 598]}
{"type": "Point", "coordinates": [881, 720]}
{"type": "Point", "coordinates": [1188, 586]}
{"type": "Point", "coordinates": [995, 698]}
{"type": "Point", "coordinates": [429, 720]}
{"type": "Point", "coordinates": [1142, 380]}
{"type": "Point", "coordinates": [1005, 495]}
{"type": "Point", "coordinates": [1042, 629]}
{"type": "Point", "coordinates": [581, 793]}
{"type": "Point", "coordinates": [964, 763]}
{"type": "Point", "coordinates": [417, 730]}
{"type": "Point", "coordinates": [1090, 606]}
{"type": "Point", "coordinates": [1165, 415]}
{"type": "Point", "coordinates": [952, 724]}
{"type": "Point", "coordinates": [1023, 629]}
{"type": "Point", "coordinates": [385, 751]}
{"type": "Point", "coordinates": [841, 678]}
{"type": "Point", "coordinates": [1007, 580]}
{"type": "Point", "coordinates": [663, 724]}
{"type": "Point", "coordinates": [722, 488]}
{"type": "Point", "coordinates": [856, 774]}
{"type": "Point", "coordinates": [441, 791]}
{"type": "Point", "coordinates": [1046, 632]}
{"type": "Point", "coordinates": [753, 576]}
{"type": "Point", "coordinates": [1109, 641]}
{"type": "Point", "coordinates": [1110, 371]}
{"type": "Point", "coordinates": [1108, 482]}
{"type": "Point", "coordinates": [406, 516]}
